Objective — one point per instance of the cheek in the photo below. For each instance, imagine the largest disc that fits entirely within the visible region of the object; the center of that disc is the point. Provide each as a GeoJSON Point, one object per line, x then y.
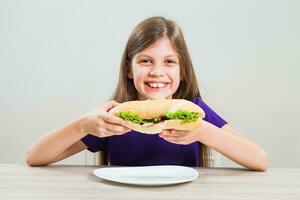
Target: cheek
{"type": "Point", "coordinates": [175, 79]}
{"type": "Point", "coordinates": [138, 74]}
{"type": "Point", "coordinates": [175, 74]}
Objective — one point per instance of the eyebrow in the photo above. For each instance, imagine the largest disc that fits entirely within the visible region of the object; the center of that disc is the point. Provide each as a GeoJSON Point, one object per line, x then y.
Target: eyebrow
{"type": "Point", "coordinates": [145, 55]}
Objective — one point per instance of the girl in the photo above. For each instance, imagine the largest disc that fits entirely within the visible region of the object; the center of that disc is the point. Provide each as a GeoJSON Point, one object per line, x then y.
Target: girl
{"type": "Point", "coordinates": [155, 64]}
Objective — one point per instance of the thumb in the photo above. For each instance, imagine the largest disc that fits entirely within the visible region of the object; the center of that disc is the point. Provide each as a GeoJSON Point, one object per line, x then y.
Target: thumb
{"type": "Point", "coordinates": [109, 105]}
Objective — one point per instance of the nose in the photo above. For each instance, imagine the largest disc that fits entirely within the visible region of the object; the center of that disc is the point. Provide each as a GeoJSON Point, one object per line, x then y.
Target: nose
{"type": "Point", "coordinates": [156, 71]}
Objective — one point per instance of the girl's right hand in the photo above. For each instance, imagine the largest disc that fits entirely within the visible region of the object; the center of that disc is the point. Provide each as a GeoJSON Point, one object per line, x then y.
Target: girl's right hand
{"type": "Point", "coordinates": [100, 123]}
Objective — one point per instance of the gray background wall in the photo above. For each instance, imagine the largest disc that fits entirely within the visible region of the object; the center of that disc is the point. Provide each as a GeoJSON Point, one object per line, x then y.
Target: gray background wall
{"type": "Point", "coordinates": [59, 59]}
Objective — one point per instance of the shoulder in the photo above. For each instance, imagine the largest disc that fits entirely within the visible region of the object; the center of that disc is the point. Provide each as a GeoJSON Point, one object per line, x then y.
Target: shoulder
{"type": "Point", "coordinates": [198, 101]}
{"type": "Point", "coordinates": [210, 115]}
{"type": "Point", "coordinates": [201, 103]}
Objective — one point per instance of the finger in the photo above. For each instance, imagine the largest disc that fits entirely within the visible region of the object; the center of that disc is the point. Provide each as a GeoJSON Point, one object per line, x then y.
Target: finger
{"type": "Point", "coordinates": [116, 128]}
{"type": "Point", "coordinates": [109, 105]}
{"type": "Point", "coordinates": [113, 119]}
{"type": "Point", "coordinates": [178, 132]}
{"type": "Point", "coordinates": [174, 133]}
{"type": "Point", "coordinates": [101, 132]}
{"type": "Point", "coordinates": [111, 133]}
{"type": "Point", "coordinates": [177, 141]}
{"type": "Point", "coordinates": [178, 136]}
{"type": "Point", "coordinates": [165, 132]}
{"type": "Point", "coordinates": [120, 133]}
{"type": "Point", "coordinates": [175, 138]}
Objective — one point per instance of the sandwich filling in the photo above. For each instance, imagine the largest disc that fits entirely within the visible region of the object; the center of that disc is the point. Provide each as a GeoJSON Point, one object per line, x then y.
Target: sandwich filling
{"type": "Point", "coordinates": [183, 115]}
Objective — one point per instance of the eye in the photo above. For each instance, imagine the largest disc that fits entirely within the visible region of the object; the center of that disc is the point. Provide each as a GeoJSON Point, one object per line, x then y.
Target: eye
{"type": "Point", "coordinates": [144, 61]}
{"type": "Point", "coordinates": [170, 61]}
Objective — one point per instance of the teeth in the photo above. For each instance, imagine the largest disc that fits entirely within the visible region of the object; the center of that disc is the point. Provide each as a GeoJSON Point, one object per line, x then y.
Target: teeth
{"type": "Point", "coordinates": [156, 85]}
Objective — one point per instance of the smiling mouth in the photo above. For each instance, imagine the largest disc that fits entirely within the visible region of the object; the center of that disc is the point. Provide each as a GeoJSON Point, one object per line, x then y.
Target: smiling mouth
{"type": "Point", "coordinates": [157, 85]}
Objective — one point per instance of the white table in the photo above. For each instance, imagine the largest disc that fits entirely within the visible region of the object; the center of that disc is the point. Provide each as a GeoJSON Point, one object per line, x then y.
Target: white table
{"type": "Point", "coordinates": [78, 182]}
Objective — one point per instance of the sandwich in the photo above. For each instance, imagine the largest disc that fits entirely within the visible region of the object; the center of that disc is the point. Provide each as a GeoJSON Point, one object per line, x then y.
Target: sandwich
{"type": "Point", "coordinates": [152, 116]}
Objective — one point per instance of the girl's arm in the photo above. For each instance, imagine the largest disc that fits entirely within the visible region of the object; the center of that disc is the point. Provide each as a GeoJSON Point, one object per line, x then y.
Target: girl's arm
{"type": "Point", "coordinates": [235, 146]}
{"type": "Point", "coordinates": [56, 145]}
{"type": "Point", "coordinates": [225, 140]}
{"type": "Point", "coordinates": [63, 142]}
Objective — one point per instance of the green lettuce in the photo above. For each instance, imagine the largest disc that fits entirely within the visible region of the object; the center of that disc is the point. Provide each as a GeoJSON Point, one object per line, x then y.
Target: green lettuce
{"type": "Point", "coordinates": [183, 115]}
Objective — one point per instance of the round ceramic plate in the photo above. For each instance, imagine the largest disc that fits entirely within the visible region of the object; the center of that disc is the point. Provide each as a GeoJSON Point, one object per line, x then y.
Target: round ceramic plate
{"type": "Point", "coordinates": [149, 175]}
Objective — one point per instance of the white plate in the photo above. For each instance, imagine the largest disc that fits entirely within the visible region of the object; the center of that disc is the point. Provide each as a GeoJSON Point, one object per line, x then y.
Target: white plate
{"type": "Point", "coordinates": [150, 175]}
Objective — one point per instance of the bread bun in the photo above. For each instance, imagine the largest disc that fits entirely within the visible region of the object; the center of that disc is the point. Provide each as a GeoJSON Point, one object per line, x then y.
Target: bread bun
{"type": "Point", "coordinates": [149, 109]}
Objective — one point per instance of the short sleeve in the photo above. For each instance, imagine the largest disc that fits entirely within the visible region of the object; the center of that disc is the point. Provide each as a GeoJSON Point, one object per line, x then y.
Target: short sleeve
{"type": "Point", "coordinates": [94, 143]}
{"type": "Point", "coordinates": [210, 115]}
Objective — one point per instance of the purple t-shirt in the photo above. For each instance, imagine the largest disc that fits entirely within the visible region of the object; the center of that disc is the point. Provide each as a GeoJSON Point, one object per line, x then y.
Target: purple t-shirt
{"type": "Point", "coordinates": [137, 149]}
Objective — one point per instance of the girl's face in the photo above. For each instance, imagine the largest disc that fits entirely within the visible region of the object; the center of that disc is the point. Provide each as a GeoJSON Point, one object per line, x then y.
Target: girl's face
{"type": "Point", "coordinates": [155, 71]}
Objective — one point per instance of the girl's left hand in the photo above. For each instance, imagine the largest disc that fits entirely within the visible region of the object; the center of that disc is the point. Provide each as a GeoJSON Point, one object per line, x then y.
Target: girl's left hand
{"type": "Point", "coordinates": [185, 137]}
{"type": "Point", "coordinates": [179, 136]}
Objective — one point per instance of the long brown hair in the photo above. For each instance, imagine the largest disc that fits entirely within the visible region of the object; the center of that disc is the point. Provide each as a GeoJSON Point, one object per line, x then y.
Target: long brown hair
{"type": "Point", "coordinates": [145, 34]}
